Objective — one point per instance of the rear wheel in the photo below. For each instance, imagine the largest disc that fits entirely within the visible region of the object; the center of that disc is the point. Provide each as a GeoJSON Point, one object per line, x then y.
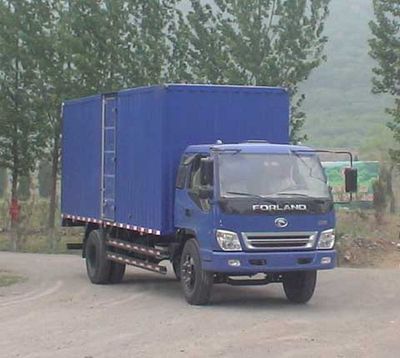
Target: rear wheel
{"type": "Point", "coordinates": [299, 286]}
{"type": "Point", "coordinates": [117, 272]}
{"type": "Point", "coordinates": [97, 266]}
{"type": "Point", "coordinates": [196, 283]}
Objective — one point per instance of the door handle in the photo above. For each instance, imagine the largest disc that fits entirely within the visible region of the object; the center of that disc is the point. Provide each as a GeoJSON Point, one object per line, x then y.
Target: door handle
{"type": "Point", "coordinates": [188, 212]}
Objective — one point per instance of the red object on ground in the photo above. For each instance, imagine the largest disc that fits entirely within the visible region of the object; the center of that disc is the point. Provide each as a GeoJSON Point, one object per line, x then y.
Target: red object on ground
{"type": "Point", "coordinates": [15, 210]}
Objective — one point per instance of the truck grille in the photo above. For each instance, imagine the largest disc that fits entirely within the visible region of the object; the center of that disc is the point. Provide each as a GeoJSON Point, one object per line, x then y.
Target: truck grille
{"type": "Point", "coordinates": [280, 240]}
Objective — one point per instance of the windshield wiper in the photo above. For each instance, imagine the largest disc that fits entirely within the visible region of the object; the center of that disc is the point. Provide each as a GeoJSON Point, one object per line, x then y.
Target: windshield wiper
{"type": "Point", "coordinates": [244, 194]}
{"type": "Point", "coordinates": [294, 194]}
{"type": "Point", "coordinates": [316, 200]}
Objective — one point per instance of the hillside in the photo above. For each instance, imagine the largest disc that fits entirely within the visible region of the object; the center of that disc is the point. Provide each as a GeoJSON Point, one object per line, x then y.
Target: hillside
{"type": "Point", "coordinates": [340, 107]}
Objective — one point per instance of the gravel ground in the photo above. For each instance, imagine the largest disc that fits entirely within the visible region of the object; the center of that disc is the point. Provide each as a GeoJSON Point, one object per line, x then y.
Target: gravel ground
{"type": "Point", "coordinates": [56, 312]}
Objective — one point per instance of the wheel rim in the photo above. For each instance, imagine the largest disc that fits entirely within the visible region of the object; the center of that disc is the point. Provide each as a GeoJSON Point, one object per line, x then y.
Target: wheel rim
{"type": "Point", "coordinates": [188, 273]}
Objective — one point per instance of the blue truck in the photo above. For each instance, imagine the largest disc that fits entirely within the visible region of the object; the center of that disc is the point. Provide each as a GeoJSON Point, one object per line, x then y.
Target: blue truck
{"type": "Point", "coordinates": [200, 175]}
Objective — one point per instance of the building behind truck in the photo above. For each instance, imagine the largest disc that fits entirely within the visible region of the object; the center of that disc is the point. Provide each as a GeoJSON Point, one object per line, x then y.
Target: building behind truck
{"type": "Point", "coordinates": [163, 173]}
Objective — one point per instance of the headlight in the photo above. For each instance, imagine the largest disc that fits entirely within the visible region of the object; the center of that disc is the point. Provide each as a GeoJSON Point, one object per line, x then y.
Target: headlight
{"type": "Point", "coordinates": [228, 240]}
{"type": "Point", "coordinates": [326, 239]}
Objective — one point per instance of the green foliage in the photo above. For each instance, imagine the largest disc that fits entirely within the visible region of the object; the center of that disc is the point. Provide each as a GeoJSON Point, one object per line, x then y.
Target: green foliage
{"type": "Point", "coordinates": [385, 49]}
{"type": "Point", "coordinates": [115, 43]}
{"type": "Point", "coordinates": [3, 181]}
{"type": "Point", "coordinates": [273, 42]}
{"type": "Point", "coordinates": [21, 126]}
{"type": "Point", "coordinates": [178, 65]}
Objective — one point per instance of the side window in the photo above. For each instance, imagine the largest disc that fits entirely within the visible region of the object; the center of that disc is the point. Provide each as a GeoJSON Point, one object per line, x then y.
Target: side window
{"type": "Point", "coordinates": [183, 171]}
{"type": "Point", "coordinates": [200, 182]}
{"type": "Point", "coordinates": [195, 177]}
{"type": "Point", "coordinates": [201, 174]}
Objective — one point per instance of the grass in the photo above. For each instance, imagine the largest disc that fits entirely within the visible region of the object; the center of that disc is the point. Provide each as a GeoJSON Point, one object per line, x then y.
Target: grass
{"type": "Point", "coordinates": [362, 223]}
{"type": "Point", "coordinates": [8, 278]}
{"type": "Point", "coordinates": [43, 241]}
{"type": "Point", "coordinates": [362, 242]}
{"type": "Point", "coordinates": [33, 234]}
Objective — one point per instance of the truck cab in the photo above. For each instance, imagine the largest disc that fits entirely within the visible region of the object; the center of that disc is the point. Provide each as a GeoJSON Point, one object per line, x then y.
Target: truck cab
{"type": "Point", "coordinates": [257, 208]}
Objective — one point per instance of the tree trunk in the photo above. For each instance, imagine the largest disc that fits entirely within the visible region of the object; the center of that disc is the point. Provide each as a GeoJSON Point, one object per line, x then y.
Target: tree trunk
{"type": "Point", "coordinates": [14, 223]}
{"type": "Point", "coordinates": [392, 204]}
{"type": "Point", "coordinates": [55, 160]}
{"type": "Point", "coordinates": [54, 174]}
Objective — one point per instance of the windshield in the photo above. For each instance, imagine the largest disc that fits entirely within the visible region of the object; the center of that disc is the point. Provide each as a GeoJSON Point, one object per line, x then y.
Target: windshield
{"type": "Point", "coordinates": [272, 175]}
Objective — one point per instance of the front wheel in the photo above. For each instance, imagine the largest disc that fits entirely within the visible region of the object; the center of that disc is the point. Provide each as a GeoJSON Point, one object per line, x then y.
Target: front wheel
{"type": "Point", "coordinates": [299, 286]}
{"type": "Point", "coordinates": [196, 283]}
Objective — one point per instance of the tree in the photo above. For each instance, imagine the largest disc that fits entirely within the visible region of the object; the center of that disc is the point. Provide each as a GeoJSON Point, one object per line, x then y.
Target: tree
{"type": "Point", "coordinates": [259, 42]}
{"type": "Point", "coordinates": [94, 32]}
{"type": "Point", "coordinates": [208, 54]}
{"type": "Point", "coordinates": [377, 147]}
{"type": "Point", "coordinates": [385, 49]}
{"type": "Point", "coordinates": [154, 25]}
{"type": "Point", "coordinates": [21, 126]}
{"type": "Point", "coordinates": [24, 188]}
{"type": "Point", "coordinates": [45, 179]}
{"type": "Point", "coordinates": [379, 200]}
{"type": "Point", "coordinates": [3, 182]}
{"type": "Point", "coordinates": [178, 63]}
{"type": "Point", "coordinates": [387, 177]}
{"type": "Point", "coordinates": [100, 46]}
{"type": "Point", "coordinates": [119, 43]}
{"type": "Point", "coordinates": [56, 80]}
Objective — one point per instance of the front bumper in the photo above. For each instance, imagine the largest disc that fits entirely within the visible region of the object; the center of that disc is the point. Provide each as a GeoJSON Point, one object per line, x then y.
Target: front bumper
{"type": "Point", "coordinates": [259, 262]}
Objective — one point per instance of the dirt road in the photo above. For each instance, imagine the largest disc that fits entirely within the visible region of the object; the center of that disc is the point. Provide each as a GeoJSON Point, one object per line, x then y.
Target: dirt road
{"type": "Point", "coordinates": [58, 313]}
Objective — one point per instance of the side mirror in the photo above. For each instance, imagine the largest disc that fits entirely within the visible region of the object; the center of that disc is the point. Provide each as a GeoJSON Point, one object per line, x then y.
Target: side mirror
{"type": "Point", "coordinates": [205, 193]}
{"type": "Point", "coordinates": [350, 176]}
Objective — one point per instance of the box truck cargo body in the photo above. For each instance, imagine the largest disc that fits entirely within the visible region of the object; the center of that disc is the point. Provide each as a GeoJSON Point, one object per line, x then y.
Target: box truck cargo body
{"type": "Point", "coordinates": [121, 165]}
{"type": "Point", "coordinates": [200, 175]}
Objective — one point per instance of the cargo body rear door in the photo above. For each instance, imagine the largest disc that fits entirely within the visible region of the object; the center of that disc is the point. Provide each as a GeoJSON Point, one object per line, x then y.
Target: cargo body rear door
{"type": "Point", "coordinates": [109, 157]}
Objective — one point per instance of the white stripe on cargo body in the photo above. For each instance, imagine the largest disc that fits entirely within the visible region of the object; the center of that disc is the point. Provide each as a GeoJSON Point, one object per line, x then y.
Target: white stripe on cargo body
{"type": "Point", "coordinates": [115, 224]}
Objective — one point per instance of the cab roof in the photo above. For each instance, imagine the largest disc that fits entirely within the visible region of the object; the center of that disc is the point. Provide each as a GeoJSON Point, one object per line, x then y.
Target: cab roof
{"type": "Point", "coordinates": [248, 147]}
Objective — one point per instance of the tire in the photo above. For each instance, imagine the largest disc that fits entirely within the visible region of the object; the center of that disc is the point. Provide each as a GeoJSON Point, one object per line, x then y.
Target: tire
{"type": "Point", "coordinates": [117, 272]}
{"type": "Point", "coordinates": [97, 266]}
{"type": "Point", "coordinates": [299, 286]}
{"type": "Point", "coordinates": [196, 283]}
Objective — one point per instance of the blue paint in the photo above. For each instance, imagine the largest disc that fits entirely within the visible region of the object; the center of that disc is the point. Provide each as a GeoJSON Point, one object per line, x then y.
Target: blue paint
{"type": "Point", "coordinates": [275, 261]}
{"type": "Point", "coordinates": [81, 157]}
{"type": "Point", "coordinates": [154, 126]}
{"type": "Point", "coordinates": [146, 131]}
{"type": "Point", "coordinates": [204, 224]}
